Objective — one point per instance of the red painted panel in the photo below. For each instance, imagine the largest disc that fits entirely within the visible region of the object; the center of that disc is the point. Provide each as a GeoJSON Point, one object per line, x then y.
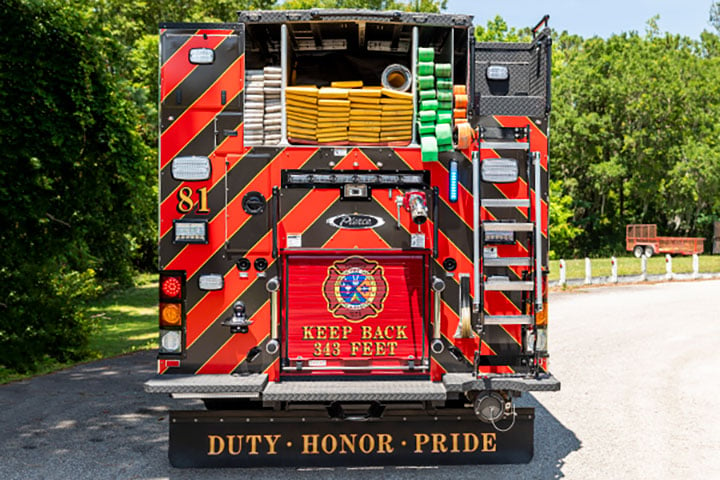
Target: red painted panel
{"type": "Point", "coordinates": [197, 116]}
{"type": "Point", "coordinates": [178, 67]}
{"type": "Point", "coordinates": [355, 311]}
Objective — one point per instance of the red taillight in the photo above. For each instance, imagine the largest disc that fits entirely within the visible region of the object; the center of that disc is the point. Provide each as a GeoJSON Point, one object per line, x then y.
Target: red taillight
{"type": "Point", "coordinates": [171, 288]}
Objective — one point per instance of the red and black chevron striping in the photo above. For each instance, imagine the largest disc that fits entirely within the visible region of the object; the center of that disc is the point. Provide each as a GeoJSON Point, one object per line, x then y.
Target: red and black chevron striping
{"type": "Point", "coordinates": [200, 104]}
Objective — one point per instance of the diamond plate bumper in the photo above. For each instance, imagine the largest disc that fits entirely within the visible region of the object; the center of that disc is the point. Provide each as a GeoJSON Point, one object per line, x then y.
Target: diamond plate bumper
{"type": "Point", "coordinates": [463, 382]}
{"type": "Point", "coordinates": [329, 391]}
{"type": "Point", "coordinates": [206, 384]}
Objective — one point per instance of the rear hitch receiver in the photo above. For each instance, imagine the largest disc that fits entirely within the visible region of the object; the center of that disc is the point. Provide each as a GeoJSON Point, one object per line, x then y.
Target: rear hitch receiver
{"type": "Point", "coordinates": [239, 322]}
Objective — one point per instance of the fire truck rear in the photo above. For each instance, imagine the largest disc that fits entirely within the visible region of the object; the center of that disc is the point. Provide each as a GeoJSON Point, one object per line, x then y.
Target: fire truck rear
{"type": "Point", "coordinates": [353, 239]}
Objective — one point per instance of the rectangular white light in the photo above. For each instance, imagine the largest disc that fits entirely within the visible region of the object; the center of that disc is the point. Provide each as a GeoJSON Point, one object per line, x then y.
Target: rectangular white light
{"type": "Point", "coordinates": [542, 340]}
{"type": "Point", "coordinates": [211, 281]}
{"type": "Point", "coordinates": [190, 231]}
{"type": "Point", "coordinates": [497, 72]}
{"type": "Point", "coordinates": [530, 341]}
{"type": "Point", "coordinates": [390, 179]}
{"type": "Point", "coordinates": [201, 56]}
{"type": "Point", "coordinates": [300, 178]}
{"type": "Point", "coordinates": [499, 170]}
{"type": "Point", "coordinates": [326, 44]}
{"type": "Point", "coordinates": [499, 237]}
{"type": "Point", "coordinates": [411, 178]}
{"type": "Point", "coordinates": [365, 178]}
{"type": "Point", "coordinates": [193, 168]}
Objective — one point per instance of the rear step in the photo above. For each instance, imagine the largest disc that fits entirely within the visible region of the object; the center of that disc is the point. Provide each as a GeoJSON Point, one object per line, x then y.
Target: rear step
{"type": "Point", "coordinates": [503, 284]}
{"type": "Point", "coordinates": [504, 146]}
{"type": "Point", "coordinates": [400, 391]}
{"type": "Point", "coordinates": [508, 320]}
{"type": "Point", "coordinates": [505, 203]}
{"type": "Point", "coordinates": [508, 262]}
{"type": "Point", "coordinates": [508, 226]}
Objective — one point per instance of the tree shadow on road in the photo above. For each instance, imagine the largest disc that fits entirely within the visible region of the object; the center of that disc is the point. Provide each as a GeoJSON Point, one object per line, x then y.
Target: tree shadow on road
{"type": "Point", "coordinates": [95, 421]}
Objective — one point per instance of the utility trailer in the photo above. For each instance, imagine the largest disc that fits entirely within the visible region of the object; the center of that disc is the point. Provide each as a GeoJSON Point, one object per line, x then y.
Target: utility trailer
{"type": "Point", "coordinates": [644, 240]}
{"type": "Point", "coordinates": [341, 282]}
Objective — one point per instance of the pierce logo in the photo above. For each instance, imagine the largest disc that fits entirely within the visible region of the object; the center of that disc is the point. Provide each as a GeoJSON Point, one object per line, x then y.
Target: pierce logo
{"type": "Point", "coordinates": [355, 289]}
{"type": "Point", "coordinates": [355, 221]}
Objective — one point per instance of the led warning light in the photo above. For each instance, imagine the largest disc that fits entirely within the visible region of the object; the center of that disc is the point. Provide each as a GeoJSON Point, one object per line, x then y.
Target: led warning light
{"type": "Point", "coordinates": [192, 168]}
{"type": "Point", "coordinates": [201, 56]}
{"type": "Point", "coordinates": [170, 315]}
{"type": "Point", "coordinates": [171, 287]}
{"type": "Point", "coordinates": [453, 188]}
{"type": "Point", "coordinates": [211, 281]}
{"type": "Point", "coordinates": [541, 318]}
{"type": "Point", "coordinates": [497, 72]}
{"type": "Point", "coordinates": [499, 237]}
{"type": "Point", "coordinates": [170, 341]}
{"type": "Point", "coordinates": [541, 343]}
{"type": "Point", "coordinates": [189, 231]}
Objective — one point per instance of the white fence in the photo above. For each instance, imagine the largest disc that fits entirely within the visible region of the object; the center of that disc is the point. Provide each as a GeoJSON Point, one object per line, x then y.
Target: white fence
{"type": "Point", "coordinates": [642, 277]}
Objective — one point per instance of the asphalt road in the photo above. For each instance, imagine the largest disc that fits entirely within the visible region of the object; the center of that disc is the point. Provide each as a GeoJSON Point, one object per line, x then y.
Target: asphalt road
{"type": "Point", "coordinates": [639, 367]}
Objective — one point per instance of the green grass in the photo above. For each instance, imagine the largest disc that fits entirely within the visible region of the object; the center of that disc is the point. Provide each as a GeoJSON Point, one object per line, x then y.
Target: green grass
{"type": "Point", "coordinates": [49, 366]}
{"type": "Point", "coordinates": [127, 319]}
{"type": "Point", "coordinates": [126, 322]}
{"type": "Point", "coordinates": [631, 266]}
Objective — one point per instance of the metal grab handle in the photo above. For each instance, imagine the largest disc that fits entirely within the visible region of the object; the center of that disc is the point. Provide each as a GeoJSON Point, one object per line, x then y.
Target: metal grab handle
{"type": "Point", "coordinates": [538, 234]}
{"type": "Point", "coordinates": [545, 20]}
{"type": "Point", "coordinates": [317, 14]}
{"type": "Point", "coordinates": [274, 218]}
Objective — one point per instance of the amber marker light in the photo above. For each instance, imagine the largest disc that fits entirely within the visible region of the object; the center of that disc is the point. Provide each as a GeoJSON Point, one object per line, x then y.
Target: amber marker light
{"type": "Point", "coordinates": [541, 319]}
{"type": "Point", "coordinates": [170, 315]}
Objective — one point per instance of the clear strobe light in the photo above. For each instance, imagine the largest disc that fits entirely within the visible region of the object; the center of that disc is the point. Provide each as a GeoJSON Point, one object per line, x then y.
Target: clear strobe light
{"type": "Point", "coordinates": [170, 341]}
{"type": "Point", "coordinates": [201, 56]}
{"type": "Point", "coordinates": [211, 281]}
{"type": "Point", "coordinates": [193, 168]}
{"type": "Point", "coordinates": [497, 72]}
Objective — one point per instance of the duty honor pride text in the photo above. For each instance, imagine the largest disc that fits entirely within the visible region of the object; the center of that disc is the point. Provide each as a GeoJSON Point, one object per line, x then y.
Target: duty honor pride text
{"type": "Point", "coordinates": [352, 444]}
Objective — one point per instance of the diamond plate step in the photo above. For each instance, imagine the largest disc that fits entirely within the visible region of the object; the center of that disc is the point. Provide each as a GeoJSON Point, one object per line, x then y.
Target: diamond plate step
{"type": "Point", "coordinates": [504, 146]}
{"type": "Point", "coordinates": [508, 320]}
{"type": "Point", "coordinates": [505, 203]}
{"type": "Point", "coordinates": [206, 383]}
{"type": "Point", "coordinates": [354, 391]}
{"type": "Point", "coordinates": [508, 286]}
{"type": "Point", "coordinates": [508, 226]}
{"type": "Point", "coordinates": [508, 262]}
{"type": "Point", "coordinates": [463, 382]}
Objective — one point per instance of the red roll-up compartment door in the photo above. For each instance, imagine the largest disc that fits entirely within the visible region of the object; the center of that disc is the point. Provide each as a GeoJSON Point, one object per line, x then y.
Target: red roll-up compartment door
{"type": "Point", "coordinates": [355, 314]}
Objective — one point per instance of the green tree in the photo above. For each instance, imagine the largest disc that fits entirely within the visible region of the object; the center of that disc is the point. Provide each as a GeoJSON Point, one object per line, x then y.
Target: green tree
{"type": "Point", "coordinates": [634, 124]}
{"type": "Point", "coordinates": [563, 231]}
{"type": "Point", "coordinates": [497, 30]}
{"type": "Point", "coordinates": [77, 182]}
{"type": "Point", "coordinates": [409, 5]}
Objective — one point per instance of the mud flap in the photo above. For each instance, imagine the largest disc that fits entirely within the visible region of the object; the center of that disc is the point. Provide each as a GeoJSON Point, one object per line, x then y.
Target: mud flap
{"type": "Point", "coordinates": [292, 439]}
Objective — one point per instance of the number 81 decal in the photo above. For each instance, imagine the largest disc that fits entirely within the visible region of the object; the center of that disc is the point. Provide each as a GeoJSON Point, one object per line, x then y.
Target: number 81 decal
{"type": "Point", "coordinates": [186, 202]}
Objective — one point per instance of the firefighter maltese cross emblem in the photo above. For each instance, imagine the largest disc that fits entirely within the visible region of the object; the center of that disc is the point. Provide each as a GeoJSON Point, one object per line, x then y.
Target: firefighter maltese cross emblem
{"type": "Point", "coordinates": [355, 289]}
